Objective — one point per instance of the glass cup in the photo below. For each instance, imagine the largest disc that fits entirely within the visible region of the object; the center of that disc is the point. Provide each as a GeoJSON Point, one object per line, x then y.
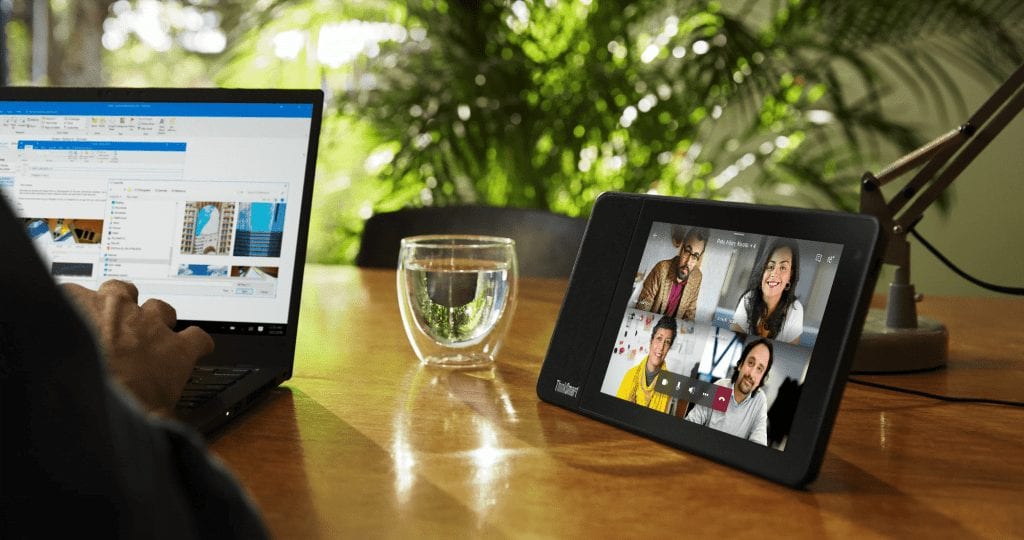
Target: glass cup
{"type": "Point", "coordinates": [457, 294]}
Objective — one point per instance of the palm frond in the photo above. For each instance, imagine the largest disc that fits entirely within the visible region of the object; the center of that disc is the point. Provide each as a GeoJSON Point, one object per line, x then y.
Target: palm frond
{"type": "Point", "coordinates": [547, 106]}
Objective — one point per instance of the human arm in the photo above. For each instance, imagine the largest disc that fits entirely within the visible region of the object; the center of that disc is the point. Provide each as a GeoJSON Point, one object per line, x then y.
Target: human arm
{"type": "Point", "coordinates": [649, 291]}
{"type": "Point", "coordinates": [74, 444]}
{"type": "Point", "coordinates": [688, 304]}
{"type": "Point", "coordinates": [626, 386]}
{"type": "Point", "coordinates": [142, 351]}
{"type": "Point", "coordinates": [793, 325]}
{"type": "Point", "coordinates": [739, 316]}
{"type": "Point", "coordinates": [699, 414]}
{"type": "Point", "coordinates": [759, 429]}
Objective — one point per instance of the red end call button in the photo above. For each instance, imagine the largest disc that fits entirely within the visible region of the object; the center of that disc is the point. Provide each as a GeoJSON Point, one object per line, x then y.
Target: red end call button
{"type": "Point", "coordinates": [722, 396]}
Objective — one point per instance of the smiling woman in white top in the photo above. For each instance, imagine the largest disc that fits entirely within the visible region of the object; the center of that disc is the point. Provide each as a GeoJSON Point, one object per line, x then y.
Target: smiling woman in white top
{"type": "Point", "coordinates": [770, 308]}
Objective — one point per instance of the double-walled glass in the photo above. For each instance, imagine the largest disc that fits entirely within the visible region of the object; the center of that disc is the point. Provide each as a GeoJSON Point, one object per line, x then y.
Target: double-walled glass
{"type": "Point", "coordinates": [457, 294]}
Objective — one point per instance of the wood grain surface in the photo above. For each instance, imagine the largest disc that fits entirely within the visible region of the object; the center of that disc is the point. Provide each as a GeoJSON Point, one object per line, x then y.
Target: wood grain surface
{"type": "Point", "coordinates": [365, 442]}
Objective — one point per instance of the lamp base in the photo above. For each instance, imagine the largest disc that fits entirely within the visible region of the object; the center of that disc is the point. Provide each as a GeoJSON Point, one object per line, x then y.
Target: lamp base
{"type": "Point", "coordinates": [900, 350]}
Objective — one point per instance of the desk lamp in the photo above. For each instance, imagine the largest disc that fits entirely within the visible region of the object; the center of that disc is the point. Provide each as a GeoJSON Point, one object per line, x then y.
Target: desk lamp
{"type": "Point", "coordinates": [897, 340]}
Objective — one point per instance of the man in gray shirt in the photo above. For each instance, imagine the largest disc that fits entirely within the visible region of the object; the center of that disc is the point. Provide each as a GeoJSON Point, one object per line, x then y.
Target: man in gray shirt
{"type": "Point", "coordinates": [747, 415]}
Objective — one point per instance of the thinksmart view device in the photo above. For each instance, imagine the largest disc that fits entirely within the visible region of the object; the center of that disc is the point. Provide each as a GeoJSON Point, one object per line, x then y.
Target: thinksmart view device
{"type": "Point", "coordinates": [722, 329]}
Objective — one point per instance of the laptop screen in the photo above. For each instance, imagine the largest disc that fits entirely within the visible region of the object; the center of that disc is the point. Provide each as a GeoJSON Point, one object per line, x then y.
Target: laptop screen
{"type": "Point", "coordinates": [196, 203]}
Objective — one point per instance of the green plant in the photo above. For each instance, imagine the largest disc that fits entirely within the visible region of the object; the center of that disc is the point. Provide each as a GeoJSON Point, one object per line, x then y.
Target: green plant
{"type": "Point", "coordinates": [546, 104]}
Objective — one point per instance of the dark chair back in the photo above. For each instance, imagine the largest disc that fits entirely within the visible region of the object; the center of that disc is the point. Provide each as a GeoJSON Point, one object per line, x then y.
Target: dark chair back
{"type": "Point", "coordinates": [546, 243]}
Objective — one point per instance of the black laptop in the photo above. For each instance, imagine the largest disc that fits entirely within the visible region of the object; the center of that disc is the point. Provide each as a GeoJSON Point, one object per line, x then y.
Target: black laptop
{"type": "Point", "coordinates": [200, 197]}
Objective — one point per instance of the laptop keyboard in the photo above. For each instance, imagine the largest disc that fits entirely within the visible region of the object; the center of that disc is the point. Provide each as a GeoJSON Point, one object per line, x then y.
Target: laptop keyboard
{"type": "Point", "coordinates": [208, 381]}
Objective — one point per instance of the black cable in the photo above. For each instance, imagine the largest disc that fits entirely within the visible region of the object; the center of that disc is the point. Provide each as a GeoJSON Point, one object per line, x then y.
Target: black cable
{"type": "Point", "coordinates": [990, 286]}
{"type": "Point", "coordinates": [1019, 291]}
{"type": "Point", "coordinates": [956, 399]}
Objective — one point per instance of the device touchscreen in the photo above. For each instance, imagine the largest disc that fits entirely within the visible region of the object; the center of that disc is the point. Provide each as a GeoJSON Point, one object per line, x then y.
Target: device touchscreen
{"type": "Point", "coordinates": [720, 327]}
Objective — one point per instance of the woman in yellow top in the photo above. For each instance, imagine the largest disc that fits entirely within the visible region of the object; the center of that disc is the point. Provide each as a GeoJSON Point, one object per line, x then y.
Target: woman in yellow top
{"type": "Point", "coordinates": [638, 384]}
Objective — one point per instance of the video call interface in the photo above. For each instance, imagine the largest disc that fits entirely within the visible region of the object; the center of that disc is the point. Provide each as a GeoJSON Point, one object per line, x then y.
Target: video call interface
{"type": "Point", "coordinates": [720, 326]}
{"type": "Point", "coordinates": [194, 203]}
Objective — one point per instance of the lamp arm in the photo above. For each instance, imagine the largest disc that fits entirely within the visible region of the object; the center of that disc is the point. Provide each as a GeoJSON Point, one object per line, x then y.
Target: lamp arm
{"type": "Point", "coordinates": [939, 171]}
{"type": "Point", "coordinates": [916, 158]}
{"type": "Point", "coordinates": [905, 342]}
{"type": "Point", "coordinates": [978, 143]}
{"type": "Point", "coordinates": [943, 160]}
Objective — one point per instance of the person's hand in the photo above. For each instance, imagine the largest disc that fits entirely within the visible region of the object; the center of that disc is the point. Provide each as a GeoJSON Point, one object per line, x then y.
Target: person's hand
{"type": "Point", "coordinates": [142, 350]}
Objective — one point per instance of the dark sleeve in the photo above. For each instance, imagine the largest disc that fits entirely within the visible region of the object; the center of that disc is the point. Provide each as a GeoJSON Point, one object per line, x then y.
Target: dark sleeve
{"type": "Point", "coordinates": [79, 455]}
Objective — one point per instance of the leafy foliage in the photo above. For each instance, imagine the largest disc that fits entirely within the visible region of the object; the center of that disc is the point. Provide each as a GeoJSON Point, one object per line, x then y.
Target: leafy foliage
{"type": "Point", "coordinates": [548, 104]}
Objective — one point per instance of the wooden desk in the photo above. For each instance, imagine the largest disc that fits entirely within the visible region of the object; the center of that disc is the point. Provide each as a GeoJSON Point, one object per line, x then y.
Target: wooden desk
{"type": "Point", "coordinates": [364, 442]}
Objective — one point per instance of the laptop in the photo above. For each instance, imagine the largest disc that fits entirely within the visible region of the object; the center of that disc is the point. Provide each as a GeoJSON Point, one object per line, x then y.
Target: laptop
{"type": "Point", "coordinates": [200, 197]}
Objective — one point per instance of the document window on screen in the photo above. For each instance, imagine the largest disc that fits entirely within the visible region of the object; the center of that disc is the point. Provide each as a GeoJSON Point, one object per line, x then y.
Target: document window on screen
{"type": "Point", "coordinates": [189, 201]}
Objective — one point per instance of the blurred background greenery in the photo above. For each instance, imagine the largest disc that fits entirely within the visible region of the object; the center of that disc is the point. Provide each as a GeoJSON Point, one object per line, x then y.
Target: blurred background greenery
{"type": "Point", "coordinates": [547, 103]}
